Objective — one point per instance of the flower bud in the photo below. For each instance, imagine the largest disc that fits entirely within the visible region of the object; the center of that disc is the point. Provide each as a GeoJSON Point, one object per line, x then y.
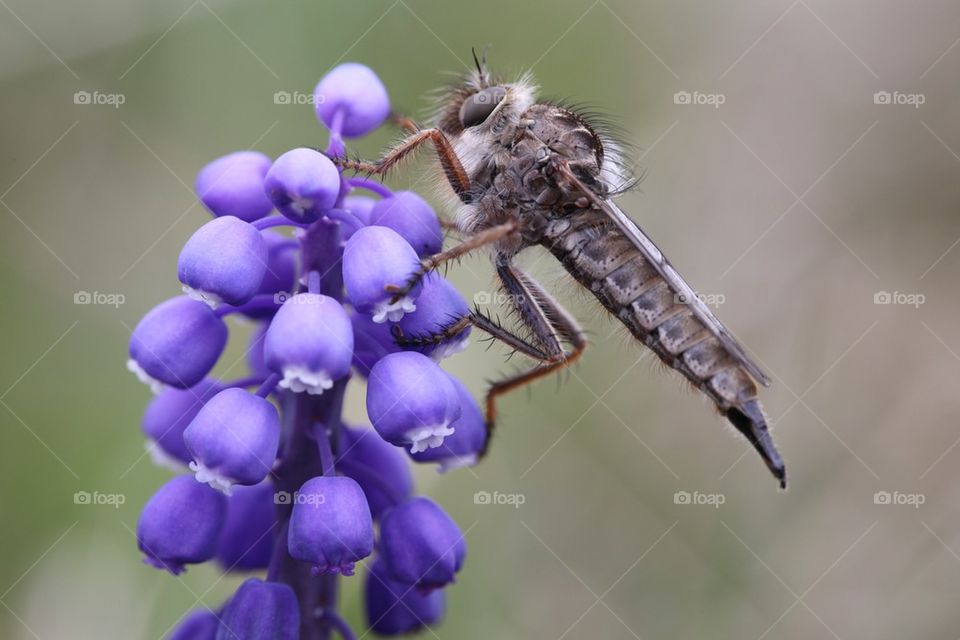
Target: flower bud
{"type": "Point", "coordinates": [469, 437]}
{"type": "Point", "coordinates": [421, 544]}
{"type": "Point", "coordinates": [357, 94]}
{"type": "Point", "coordinates": [261, 611]}
{"type": "Point", "coordinates": [200, 624]}
{"type": "Point", "coordinates": [371, 341]}
{"type": "Point", "coordinates": [303, 184]}
{"type": "Point", "coordinates": [166, 417]}
{"type": "Point", "coordinates": [374, 259]}
{"type": "Point", "coordinates": [439, 306]}
{"type": "Point", "coordinates": [224, 261]}
{"type": "Point", "coordinates": [411, 401]}
{"type": "Point", "coordinates": [181, 524]}
{"type": "Point", "coordinates": [379, 468]}
{"type": "Point", "coordinates": [413, 218]}
{"type": "Point", "coordinates": [280, 276]}
{"type": "Point", "coordinates": [360, 207]}
{"type": "Point", "coordinates": [233, 186]}
{"type": "Point", "coordinates": [330, 525]}
{"type": "Point", "coordinates": [176, 343]}
{"type": "Point", "coordinates": [394, 608]}
{"type": "Point", "coordinates": [309, 342]}
{"type": "Point", "coordinates": [246, 542]}
{"type": "Point", "coordinates": [233, 439]}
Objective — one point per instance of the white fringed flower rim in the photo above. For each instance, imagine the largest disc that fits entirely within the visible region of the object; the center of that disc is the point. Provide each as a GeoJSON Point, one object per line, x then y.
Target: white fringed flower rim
{"type": "Point", "coordinates": [298, 379]}
{"type": "Point", "coordinates": [212, 300]}
{"type": "Point", "coordinates": [393, 311]}
{"type": "Point", "coordinates": [429, 437]}
{"type": "Point", "coordinates": [209, 476]}
{"type": "Point", "coordinates": [155, 385]}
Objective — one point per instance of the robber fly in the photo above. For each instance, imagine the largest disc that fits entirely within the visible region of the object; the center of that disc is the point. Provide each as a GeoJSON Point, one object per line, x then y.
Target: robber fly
{"type": "Point", "coordinates": [523, 173]}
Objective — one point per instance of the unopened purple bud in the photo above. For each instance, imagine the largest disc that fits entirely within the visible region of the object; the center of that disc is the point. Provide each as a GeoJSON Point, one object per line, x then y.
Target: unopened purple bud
{"type": "Point", "coordinates": [439, 306]}
{"type": "Point", "coordinates": [411, 401]}
{"type": "Point", "coordinates": [176, 343]}
{"type": "Point", "coordinates": [166, 417]}
{"type": "Point", "coordinates": [200, 624]}
{"type": "Point", "coordinates": [303, 184]}
{"type": "Point", "coordinates": [224, 261]}
{"type": "Point", "coordinates": [375, 259]}
{"type": "Point", "coordinates": [371, 341]}
{"type": "Point", "coordinates": [330, 525]}
{"type": "Point", "coordinates": [360, 207]}
{"type": "Point", "coordinates": [181, 524]}
{"type": "Point", "coordinates": [233, 186]}
{"type": "Point", "coordinates": [379, 468]}
{"type": "Point", "coordinates": [469, 437]}
{"type": "Point", "coordinates": [246, 542]}
{"type": "Point", "coordinates": [261, 611]}
{"type": "Point", "coordinates": [413, 218]}
{"type": "Point", "coordinates": [309, 342]}
{"type": "Point", "coordinates": [394, 608]}
{"type": "Point", "coordinates": [355, 93]}
{"type": "Point", "coordinates": [233, 439]}
{"type": "Point", "coordinates": [421, 544]}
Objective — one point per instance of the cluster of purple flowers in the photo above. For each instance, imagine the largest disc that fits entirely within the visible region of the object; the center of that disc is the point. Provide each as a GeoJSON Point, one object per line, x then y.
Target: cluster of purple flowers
{"type": "Point", "coordinates": [279, 484]}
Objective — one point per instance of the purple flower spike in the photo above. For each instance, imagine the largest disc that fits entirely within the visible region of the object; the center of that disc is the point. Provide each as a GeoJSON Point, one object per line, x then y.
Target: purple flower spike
{"type": "Point", "coordinates": [309, 342]}
{"type": "Point", "coordinates": [330, 525]}
{"type": "Point", "coordinates": [303, 183]}
{"type": "Point", "coordinates": [355, 93]}
{"type": "Point", "coordinates": [233, 186]}
{"type": "Point", "coordinates": [374, 259]}
{"type": "Point", "coordinates": [439, 306]}
{"type": "Point", "coordinates": [413, 218]}
{"type": "Point", "coordinates": [261, 611]}
{"type": "Point", "coordinates": [224, 261]}
{"type": "Point", "coordinates": [166, 417]}
{"type": "Point", "coordinates": [176, 343]}
{"type": "Point", "coordinates": [411, 401]}
{"type": "Point", "coordinates": [468, 440]}
{"type": "Point", "coordinates": [371, 341]}
{"type": "Point", "coordinates": [247, 539]}
{"type": "Point", "coordinates": [421, 544]}
{"type": "Point", "coordinates": [233, 439]}
{"type": "Point", "coordinates": [379, 467]}
{"type": "Point", "coordinates": [394, 609]}
{"type": "Point", "coordinates": [181, 524]}
{"type": "Point", "coordinates": [200, 624]}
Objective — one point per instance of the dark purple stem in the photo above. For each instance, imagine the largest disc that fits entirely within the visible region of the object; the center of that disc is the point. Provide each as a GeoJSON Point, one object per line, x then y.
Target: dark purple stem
{"type": "Point", "coordinates": [276, 221]}
{"type": "Point", "coordinates": [378, 188]}
{"type": "Point", "coordinates": [340, 625]}
{"type": "Point", "coordinates": [268, 385]}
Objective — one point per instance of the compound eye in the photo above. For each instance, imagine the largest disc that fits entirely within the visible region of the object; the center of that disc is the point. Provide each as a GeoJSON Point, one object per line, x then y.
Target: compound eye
{"type": "Point", "coordinates": [478, 107]}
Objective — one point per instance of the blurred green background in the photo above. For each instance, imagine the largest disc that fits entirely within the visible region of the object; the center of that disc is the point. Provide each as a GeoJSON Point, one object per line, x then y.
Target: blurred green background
{"type": "Point", "coordinates": [794, 203]}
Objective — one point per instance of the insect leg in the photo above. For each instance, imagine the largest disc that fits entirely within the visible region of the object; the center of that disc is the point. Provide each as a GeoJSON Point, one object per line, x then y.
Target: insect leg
{"type": "Point", "coordinates": [452, 167]}
{"type": "Point", "coordinates": [549, 323]}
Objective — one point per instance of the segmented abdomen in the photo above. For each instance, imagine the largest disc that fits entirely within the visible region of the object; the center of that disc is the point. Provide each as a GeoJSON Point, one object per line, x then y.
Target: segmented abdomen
{"type": "Point", "coordinates": [604, 261]}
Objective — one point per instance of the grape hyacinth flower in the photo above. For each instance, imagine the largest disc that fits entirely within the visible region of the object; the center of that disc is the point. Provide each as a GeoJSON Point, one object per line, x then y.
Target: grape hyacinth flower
{"type": "Point", "coordinates": [309, 497]}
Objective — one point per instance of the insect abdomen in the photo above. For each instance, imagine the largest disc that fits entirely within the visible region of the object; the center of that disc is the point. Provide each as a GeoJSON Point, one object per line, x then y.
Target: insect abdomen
{"type": "Point", "coordinates": [623, 280]}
